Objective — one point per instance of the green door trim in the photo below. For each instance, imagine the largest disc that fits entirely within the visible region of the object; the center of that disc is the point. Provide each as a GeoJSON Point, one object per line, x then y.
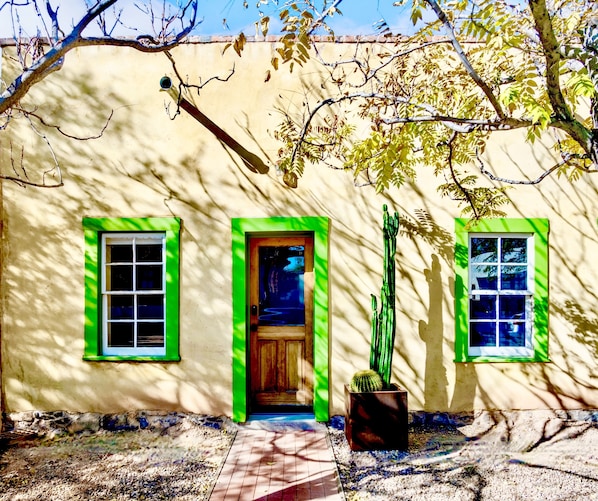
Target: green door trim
{"type": "Point", "coordinates": [242, 230]}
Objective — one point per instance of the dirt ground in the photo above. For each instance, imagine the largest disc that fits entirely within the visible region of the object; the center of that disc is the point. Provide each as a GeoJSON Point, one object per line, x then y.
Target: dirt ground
{"type": "Point", "coordinates": [180, 463]}
{"type": "Point", "coordinates": [500, 457]}
{"type": "Point", "coordinates": [497, 457]}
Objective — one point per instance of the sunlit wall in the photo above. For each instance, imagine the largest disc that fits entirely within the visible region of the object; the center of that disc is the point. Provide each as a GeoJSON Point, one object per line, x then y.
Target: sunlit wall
{"type": "Point", "coordinates": [146, 164]}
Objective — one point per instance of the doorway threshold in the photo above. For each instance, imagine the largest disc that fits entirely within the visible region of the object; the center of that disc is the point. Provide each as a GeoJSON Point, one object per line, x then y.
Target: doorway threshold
{"type": "Point", "coordinates": [275, 421]}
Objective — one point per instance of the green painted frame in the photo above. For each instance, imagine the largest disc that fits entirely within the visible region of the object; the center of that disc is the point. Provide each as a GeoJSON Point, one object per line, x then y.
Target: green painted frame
{"type": "Point", "coordinates": [540, 228]}
{"type": "Point", "coordinates": [242, 229]}
{"type": "Point", "coordinates": [93, 228]}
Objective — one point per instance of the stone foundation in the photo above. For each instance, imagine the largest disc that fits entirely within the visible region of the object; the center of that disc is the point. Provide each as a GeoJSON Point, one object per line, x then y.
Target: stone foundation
{"type": "Point", "coordinates": [55, 423]}
{"type": "Point", "coordinates": [50, 424]}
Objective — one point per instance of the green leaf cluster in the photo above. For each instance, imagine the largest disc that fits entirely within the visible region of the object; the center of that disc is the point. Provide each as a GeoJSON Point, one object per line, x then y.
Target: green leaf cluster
{"type": "Point", "coordinates": [432, 100]}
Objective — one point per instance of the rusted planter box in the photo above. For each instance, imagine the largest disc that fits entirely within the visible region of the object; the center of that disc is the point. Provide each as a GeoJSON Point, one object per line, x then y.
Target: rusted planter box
{"type": "Point", "coordinates": [376, 420]}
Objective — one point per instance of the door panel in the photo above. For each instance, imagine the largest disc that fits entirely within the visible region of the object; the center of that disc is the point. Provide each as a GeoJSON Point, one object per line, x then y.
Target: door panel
{"type": "Point", "coordinates": [281, 310]}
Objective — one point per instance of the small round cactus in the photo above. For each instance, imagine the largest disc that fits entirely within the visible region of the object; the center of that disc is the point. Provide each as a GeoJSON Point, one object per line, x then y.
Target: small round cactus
{"type": "Point", "coordinates": [366, 380]}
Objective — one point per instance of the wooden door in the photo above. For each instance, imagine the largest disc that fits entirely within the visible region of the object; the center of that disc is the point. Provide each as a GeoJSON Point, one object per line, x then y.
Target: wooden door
{"type": "Point", "coordinates": [281, 324]}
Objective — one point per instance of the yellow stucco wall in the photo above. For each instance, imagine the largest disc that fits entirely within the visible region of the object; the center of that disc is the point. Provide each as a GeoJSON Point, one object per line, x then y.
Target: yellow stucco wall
{"type": "Point", "coordinates": [148, 165]}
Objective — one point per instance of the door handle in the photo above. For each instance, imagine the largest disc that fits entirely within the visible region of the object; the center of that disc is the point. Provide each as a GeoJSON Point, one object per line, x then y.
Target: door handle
{"type": "Point", "coordinates": [253, 326]}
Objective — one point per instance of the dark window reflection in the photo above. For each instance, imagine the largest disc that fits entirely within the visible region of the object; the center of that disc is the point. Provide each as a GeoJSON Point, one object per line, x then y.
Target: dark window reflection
{"type": "Point", "coordinates": [149, 277]}
{"type": "Point", "coordinates": [514, 250]}
{"type": "Point", "coordinates": [118, 253]}
{"type": "Point", "coordinates": [120, 307]}
{"type": "Point", "coordinates": [512, 307]}
{"type": "Point", "coordinates": [149, 253]}
{"type": "Point", "coordinates": [484, 250]}
{"type": "Point", "coordinates": [512, 334]}
{"type": "Point", "coordinates": [150, 306]}
{"type": "Point", "coordinates": [120, 278]}
{"type": "Point", "coordinates": [482, 334]}
{"type": "Point", "coordinates": [281, 288]}
{"type": "Point", "coordinates": [120, 334]}
{"type": "Point", "coordinates": [150, 334]}
{"type": "Point", "coordinates": [513, 278]}
{"type": "Point", "coordinates": [483, 307]}
{"type": "Point", "coordinates": [484, 277]}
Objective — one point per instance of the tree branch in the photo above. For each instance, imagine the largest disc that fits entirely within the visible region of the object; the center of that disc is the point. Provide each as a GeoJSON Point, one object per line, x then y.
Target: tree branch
{"type": "Point", "coordinates": [461, 53]}
{"type": "Point", "coordinates": [552, 55]}
{"type": "Point", "coordinates": [505, 180]}
{"type": "Point", "coordinates": [50, 61]}
{"type": "Point", "coordinates": [369, 73]}
{"type": "Point", "coordinates": [65, 134]}
{"type": "Point", "coordinates": [323, 15]}
{"type": "Point", "coordinates": [563, 119]}
{"type": "Point", "coordinates": [450, 122]}
{"type": "Point", "coordinates": [462, 188]}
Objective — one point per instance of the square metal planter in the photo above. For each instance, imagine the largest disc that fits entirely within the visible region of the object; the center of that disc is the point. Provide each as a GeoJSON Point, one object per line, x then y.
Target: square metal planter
{"type": "Point", "coordinates": [376, 420]}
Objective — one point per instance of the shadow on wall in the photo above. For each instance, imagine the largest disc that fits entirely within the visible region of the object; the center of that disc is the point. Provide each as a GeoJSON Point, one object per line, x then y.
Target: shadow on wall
{"type": "Point", "coordinates": [134, 171]}
{"type": "Point", "coordinates": [120, 174]}
{"type": "Point", "coordinates": [431, 333]}
{"type": "Point", "coordinates": [436, 385]}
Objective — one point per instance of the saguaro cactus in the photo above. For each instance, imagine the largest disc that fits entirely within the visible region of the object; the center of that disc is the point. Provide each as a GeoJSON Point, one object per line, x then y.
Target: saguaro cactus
{"type": "Point", "coordinates": [384, 321]}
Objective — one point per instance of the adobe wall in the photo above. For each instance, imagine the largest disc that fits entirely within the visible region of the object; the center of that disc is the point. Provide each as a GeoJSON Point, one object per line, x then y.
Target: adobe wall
{"type": "Point", "coordinates": [146, 164]}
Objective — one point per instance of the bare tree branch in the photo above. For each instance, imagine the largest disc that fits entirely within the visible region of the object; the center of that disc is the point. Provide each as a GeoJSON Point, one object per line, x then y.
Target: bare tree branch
{"type": "Point", "coordinates": [461, 53]}
{"type": "Point", "coordinates": [44, 53]}
{"type": "Point", "coordinates": [51, 61]}
{"type": "Point", "coordinates": [66, 134]}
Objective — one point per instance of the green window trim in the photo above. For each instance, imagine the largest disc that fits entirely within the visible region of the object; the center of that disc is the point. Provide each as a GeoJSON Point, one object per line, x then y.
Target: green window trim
{"type": "Point", "coordinates": [93, 229]}
{"type": "Point", "coordinates": [540, 228]}
{"type": "Point", "coordinates": [242, 229]}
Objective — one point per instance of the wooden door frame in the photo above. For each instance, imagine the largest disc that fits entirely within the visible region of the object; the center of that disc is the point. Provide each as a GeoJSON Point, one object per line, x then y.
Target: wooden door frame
{"type": "Point", "coordinates": [270, 335]}
{"type": "Point", "coordinates": [242, 229]}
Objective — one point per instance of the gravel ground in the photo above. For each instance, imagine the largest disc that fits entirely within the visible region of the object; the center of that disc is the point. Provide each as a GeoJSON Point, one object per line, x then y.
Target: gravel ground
{"type": "Point", "coordinates": [500, 457]}
{"type": "Point", "coordinates": [496, 457]}
{"type": "Point", "coordinates": [179, 463]}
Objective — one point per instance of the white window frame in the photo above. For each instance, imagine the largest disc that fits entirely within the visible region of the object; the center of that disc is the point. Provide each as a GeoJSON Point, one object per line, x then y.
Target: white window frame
{"type": "Point", "coordinates": [504, 351]}
{"type": "Point", "coordinates": [132, 238]}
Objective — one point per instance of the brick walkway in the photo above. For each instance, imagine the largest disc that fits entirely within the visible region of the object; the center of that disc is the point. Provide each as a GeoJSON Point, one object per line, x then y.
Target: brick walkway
{"type": "Point", "coordinates": [279, 463]}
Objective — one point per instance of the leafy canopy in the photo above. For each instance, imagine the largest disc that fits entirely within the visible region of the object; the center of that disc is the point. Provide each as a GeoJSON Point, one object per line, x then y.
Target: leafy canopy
{"type": "Point", "coordinates": [471, 69]}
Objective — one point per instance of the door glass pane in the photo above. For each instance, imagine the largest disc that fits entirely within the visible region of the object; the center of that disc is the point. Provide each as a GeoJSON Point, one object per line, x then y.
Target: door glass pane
{"type": "Point", "coordinates": [281, 272]}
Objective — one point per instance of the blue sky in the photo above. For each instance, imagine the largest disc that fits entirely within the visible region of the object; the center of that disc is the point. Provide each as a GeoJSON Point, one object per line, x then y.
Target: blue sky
{"type": "Point", "coordinates": [359, 16]}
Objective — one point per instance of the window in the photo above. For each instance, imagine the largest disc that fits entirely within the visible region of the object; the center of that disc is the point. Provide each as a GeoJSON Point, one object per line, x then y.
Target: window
{"type": "Point", "coordinates": [501, 290]}
{"type": "Point", "coordinates": [132, 288]}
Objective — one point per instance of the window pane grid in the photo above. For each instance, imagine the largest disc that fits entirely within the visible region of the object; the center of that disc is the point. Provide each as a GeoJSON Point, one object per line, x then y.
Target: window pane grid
{"type": "Point", "coordinates": [501, 295]}
{"type": "Point", "coordinates": [133, 288]}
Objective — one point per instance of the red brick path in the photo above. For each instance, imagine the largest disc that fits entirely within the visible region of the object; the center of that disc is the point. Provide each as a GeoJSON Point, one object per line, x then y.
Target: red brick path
{"type": "Point", "coordinates": [285, 464]}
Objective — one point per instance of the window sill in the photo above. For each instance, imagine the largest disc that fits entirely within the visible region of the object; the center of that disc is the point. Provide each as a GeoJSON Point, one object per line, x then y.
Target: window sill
{"type": "Point", "coordinates": [115, 358]}
{"type": "Point", "coordinates": [503, 360]}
